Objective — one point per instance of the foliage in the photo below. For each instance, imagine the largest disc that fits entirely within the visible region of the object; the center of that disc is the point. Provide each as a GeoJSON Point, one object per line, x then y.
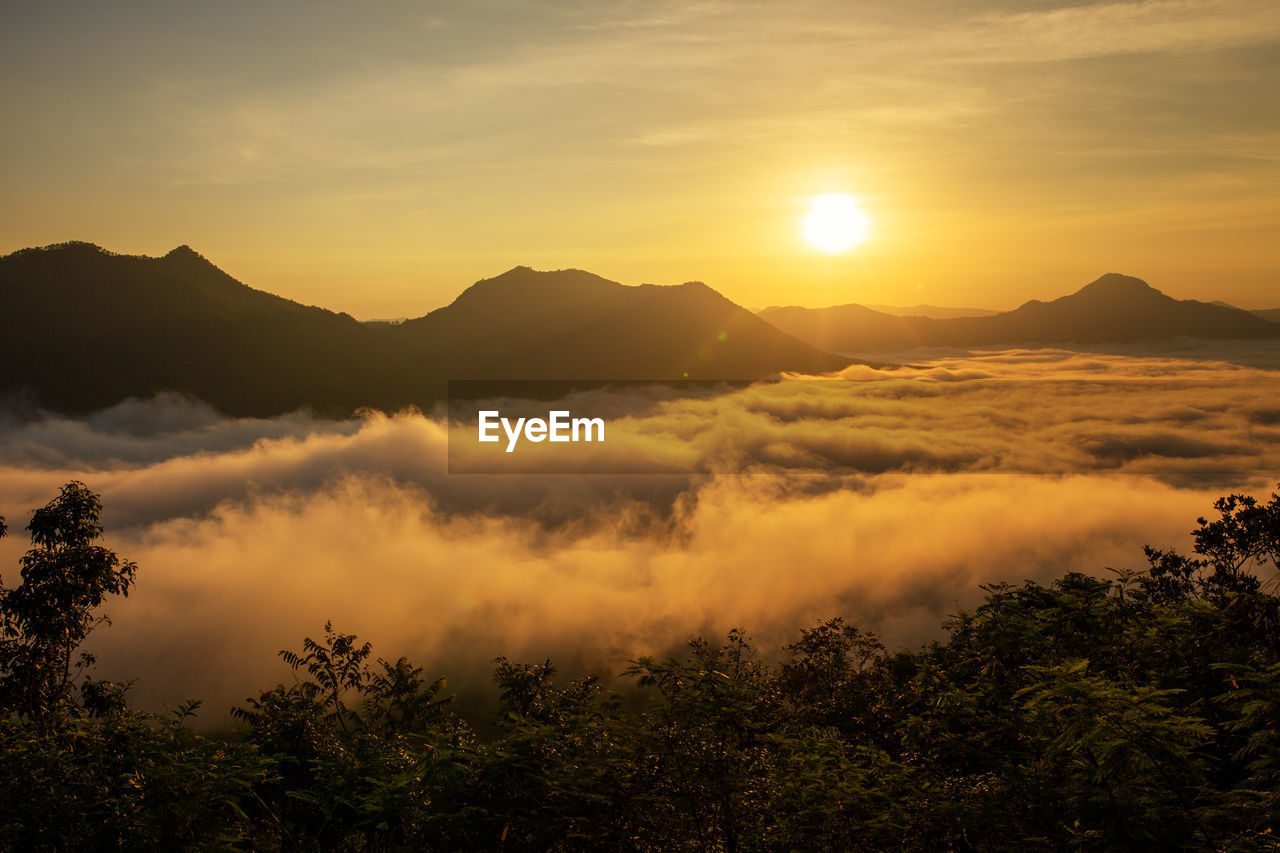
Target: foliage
{"type": "Point", "coordinates": [132, 780]}
{"type": "Point", "coordinates": [1133, 712]}
{"type": "Point", "coordinates": [65, 578]}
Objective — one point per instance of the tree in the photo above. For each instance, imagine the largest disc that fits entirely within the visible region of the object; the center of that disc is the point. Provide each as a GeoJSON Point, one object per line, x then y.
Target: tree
{"type": "Point", "coordinates": [43, 621]}
{"type": "Point", "coordinates": [354, 745]}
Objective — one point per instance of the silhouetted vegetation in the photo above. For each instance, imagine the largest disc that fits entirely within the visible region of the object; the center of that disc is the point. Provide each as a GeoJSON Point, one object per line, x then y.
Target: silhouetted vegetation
{"type": "Point", "coordinates": [1140, 711]}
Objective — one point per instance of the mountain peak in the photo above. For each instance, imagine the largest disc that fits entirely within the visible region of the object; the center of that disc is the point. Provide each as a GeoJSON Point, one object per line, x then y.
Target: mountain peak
{"type": "Point", "coordinates": [188, 257]}
{"type": "Point", "coordinates": [75, 246]}
{"type": "Point", "coordinates": [1114, 308]}
{"type": "Point", "coordinates": [522, 275]}
{"type": "Point", "coordinates": [523, 283]}
{"type": "Point", "coordinates": [1113, 283]}
{"type": "Point", "coordinates": [519, 273]}
{"type": "Point", "coordinates": [65, 248]}
{"type": "Point", "coordinates": [191, 265]}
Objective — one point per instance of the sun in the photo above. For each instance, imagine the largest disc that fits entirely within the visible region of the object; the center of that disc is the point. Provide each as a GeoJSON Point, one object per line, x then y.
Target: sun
{"type": "Point", "coordinates": [834, 223]}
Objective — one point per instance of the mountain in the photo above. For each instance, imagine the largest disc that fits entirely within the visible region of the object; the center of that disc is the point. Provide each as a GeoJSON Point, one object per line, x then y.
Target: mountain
{"type": "Point", "coordinates": [83, 328]}
{"type": "Point", "coordinates": [572, 324]}
{"type": "Point", "coordinates": [1271, 314]}
{"type": "Point", "coordinates": [1114, 308]}
{"type": "Point", "coordinates": [935, 312]}
{"type": "Point", "coordinates": [851, 327]}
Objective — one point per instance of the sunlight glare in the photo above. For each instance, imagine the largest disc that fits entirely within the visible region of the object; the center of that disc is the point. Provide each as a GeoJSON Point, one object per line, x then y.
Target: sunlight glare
{"type": "Point", "coordinates": [834, 223]}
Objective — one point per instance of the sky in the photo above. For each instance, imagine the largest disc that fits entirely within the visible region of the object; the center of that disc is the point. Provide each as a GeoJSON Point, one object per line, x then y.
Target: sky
{"type": "Point", "coordinates": [378, 158]}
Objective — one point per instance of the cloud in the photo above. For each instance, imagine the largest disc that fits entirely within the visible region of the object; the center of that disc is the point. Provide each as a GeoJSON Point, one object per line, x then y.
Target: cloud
{"type": "Point", "coordinates": [688, 63]}
{"type": "Point", "coordinates": [885, 496]}
{"type": "Point", "coordinates": [1108, 29]}
{"type": "Point", "coordinates": [219, 594]}
{"type": "Point", "coordinates": [135, 432]}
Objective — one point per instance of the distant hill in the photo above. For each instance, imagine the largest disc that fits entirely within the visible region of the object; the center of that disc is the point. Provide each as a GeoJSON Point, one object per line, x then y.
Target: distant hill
{"type": "Point", "coordinates": [1115, 308]}
{"type": "Point", "coordinates": [572, 324]}
{"type": "Point", "coordinates": [82, 328]}
{"type": "Point", "coordinates": [1271, 314]}
{"type": "Point", "coordinates": [851, 327]}
{"type": "Point", "coordinates": [936, 312]}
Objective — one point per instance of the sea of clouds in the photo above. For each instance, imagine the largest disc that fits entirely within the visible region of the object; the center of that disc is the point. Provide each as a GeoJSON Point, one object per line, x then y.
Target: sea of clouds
{"type": "Point", "coordinates": [885, 496]}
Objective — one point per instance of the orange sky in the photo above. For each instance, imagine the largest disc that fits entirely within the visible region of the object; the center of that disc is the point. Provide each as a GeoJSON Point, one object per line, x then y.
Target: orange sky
{"type": "Point", "coordinates": [377, 160]}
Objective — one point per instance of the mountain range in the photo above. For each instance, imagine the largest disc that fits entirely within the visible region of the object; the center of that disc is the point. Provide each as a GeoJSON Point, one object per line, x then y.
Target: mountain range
{"type": "Point", "coordinates": [937, 312]}
{"type": "Point", "coordinates": [83, 328]}
{"type": "Point", "coordinates": [1113, 309]}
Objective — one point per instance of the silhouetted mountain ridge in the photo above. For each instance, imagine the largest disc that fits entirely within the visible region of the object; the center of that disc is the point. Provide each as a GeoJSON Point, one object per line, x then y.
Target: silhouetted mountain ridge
{"type": "Point", "coordinates": [83, 328]}
{"type": "Point", "coordinates": [571, 324]}
{"type": "Point", "coordinates": [936, 312]}
{"type": "Point", "coordinates": [1114, 308]}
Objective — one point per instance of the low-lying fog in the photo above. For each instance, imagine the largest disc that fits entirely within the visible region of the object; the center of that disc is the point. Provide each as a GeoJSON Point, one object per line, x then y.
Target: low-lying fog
{"type": "Point", "coordinates": [886, 498]}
